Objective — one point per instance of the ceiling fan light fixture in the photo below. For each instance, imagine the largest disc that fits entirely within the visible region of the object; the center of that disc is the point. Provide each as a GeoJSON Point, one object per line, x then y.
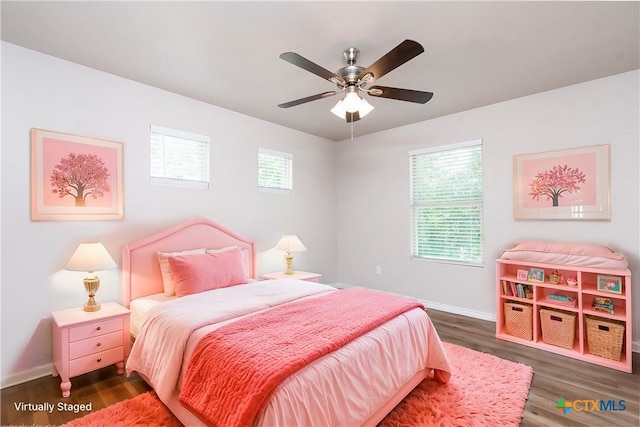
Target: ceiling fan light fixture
{"type": "Point", "coordinates": [365, 108]}
{"type": "Point", "coordinates": [353, 78]}
{"type": "Point", "coordinates": [339, 110]}
{"type": "Point", "coordinates": [352, 102]}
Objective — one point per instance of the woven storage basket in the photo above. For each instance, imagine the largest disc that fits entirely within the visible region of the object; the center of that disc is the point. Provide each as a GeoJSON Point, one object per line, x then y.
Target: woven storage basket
{"type": "Point", "coordinates": [558, 327]}
{"type": "Point", "coordinates": [604, 337]}
{"type": "Point", "coordinates": [518, 320]}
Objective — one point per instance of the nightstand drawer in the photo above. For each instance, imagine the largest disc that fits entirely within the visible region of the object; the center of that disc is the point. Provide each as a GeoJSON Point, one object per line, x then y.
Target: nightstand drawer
{"type": "Point", "coordinates": [95, 329]}
{"type": "Point", "coordinates": [95, 361]}
{"type": "Point", "coordinates": [94, 345]}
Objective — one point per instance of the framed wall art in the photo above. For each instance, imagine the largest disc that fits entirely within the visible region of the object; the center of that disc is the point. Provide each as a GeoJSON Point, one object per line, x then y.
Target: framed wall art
{"type": "Point", "coordinates": [522, 275]}
{"type": "Point", "coordinates": [536, 275]}
{"type": "Point", "coordinates": [611, 284]}
{"type": "Point", "coordinates": [75, 177]}
{"type": "Point", "coordinates": [565, 184]}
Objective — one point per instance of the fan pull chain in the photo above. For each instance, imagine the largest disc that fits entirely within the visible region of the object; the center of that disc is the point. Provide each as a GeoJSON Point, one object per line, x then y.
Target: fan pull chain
{"type": "Point", "coordinates": [352, 131]}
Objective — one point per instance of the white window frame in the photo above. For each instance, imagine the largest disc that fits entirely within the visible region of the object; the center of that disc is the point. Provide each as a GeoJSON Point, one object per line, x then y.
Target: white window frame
{"type": "Point", "coordinates": [286, 171]}
{"type": "Point", "coordinates": [200, 143]}
{"type": "Point", "coordinates": [416, 205]}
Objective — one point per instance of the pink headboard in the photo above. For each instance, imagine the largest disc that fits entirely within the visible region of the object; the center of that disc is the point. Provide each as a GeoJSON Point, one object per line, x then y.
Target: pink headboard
{"type": "Point", "coordinates": [140, 269]}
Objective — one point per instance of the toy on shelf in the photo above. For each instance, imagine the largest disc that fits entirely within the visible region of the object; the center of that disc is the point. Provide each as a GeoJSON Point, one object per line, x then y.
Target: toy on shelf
{"type": "Point", "coordinates": [603, 304]}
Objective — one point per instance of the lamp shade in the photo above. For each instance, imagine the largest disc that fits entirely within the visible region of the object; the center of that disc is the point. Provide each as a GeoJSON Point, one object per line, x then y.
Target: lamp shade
{"type": "Point", "coordinates": [90, 257]}
{"type": "Point", "coordinates": [290, 243]}
{"type": "Point", "coordinates": [365, 108]}
{"type": "Point", "coordinates": [352, 102]}
{"type": "Point", "coordinates": [340, 110]}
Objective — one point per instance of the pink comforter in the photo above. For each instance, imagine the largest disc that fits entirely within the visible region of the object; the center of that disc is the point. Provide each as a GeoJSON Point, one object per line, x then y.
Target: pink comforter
{"type": "Point", "coordinates": [344, 388]}
{"type": "Point", "coordinates": [235, 369]}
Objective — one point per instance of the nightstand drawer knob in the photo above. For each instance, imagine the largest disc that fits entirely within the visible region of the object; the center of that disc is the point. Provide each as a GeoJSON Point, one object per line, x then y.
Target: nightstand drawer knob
{"type": "Point", "coordinates": [99, 328]}
{"type": "Point", "coordinates": [99, 360]}
{"type": "Point", "coordinates": [98, 345]}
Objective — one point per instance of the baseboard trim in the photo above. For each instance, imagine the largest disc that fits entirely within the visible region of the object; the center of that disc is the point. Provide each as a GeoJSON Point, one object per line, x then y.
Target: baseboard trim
{"type": "Point", "coordinates": [459, 310]}
{"type": "Point", "coordinates": [26, 376]}
{"type": "Point", "coordinates": [635, 346]}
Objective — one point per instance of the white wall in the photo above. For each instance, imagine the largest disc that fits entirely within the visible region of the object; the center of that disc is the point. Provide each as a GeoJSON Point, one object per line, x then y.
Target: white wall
{"type": "Point", "coordinates": [373, 190]}
{"type": "Point", "coordinates": [44, 92]}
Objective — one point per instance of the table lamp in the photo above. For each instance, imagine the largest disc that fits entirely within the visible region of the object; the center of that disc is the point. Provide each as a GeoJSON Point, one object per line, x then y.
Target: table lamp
{"type": "Point", "coordinates": [290, 243]}
{"type": "Point", "coordinates": [91, 257]}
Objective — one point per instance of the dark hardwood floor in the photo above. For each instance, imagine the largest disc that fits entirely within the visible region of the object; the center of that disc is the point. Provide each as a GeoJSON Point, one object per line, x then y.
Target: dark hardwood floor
{"type": "Point", "coordinates": [554, 377]}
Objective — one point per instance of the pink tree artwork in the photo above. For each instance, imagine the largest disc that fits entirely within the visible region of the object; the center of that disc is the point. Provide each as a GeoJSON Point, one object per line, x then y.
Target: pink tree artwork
{"type": "Point", "coordinates": [556, 181]}
{"type": "Point", "coordinates": [80, 176]}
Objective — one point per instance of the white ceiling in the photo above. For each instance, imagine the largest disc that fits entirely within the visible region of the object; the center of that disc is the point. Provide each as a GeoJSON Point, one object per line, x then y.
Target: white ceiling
{"type": "Point", "coordinates": [227, 53]}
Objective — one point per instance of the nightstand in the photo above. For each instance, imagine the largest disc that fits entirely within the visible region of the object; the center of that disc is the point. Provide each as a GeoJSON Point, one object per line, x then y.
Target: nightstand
{"type": "Point", "coordinates": [85, 341]}
{"type": "Point", "coordinates": [300, 275]}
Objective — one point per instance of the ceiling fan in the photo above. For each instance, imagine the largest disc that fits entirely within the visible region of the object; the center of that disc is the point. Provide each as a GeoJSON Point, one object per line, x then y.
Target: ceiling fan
{"type": "Point", "coordinates": [353, 79]}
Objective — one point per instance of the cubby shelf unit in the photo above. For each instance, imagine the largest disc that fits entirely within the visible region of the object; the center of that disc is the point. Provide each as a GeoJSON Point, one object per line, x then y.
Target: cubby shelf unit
{"type": "Point", "coordinates": [584, 292]}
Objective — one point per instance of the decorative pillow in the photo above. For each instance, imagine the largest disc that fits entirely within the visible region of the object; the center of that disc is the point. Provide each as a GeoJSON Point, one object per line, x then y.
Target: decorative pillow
{"type": "Point", "coordinates": [204, 272]}
{"type": "Point", "coordinates": [168, 282]}
{"type": "Point", "coordinates": [245, 253]}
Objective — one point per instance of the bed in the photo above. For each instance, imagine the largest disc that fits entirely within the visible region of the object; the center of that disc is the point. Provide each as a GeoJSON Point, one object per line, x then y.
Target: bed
{"type": "Point", "coordinates": [355, 382]}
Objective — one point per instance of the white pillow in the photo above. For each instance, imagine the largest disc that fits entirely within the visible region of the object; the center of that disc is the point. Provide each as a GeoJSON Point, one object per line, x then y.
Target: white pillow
{"type": "Point", "coordinates": [168, 281]}
{"type": "Point", "coordinates": [225, 249]}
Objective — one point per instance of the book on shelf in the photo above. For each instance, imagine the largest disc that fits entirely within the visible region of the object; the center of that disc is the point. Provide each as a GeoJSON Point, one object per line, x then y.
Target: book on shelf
{"type": "Point", "coordinates": [519, 290]}
{"type": "Point", "coordinates": [528, 291]}
{"type": "Point", "coordinates": [561, 299]}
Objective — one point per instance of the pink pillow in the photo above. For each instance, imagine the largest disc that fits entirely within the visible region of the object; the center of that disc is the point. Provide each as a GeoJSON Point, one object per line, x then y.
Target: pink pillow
{"type": "Point", "coordinates": [204, 272]}
{"type": "Point", "coordinates": [168, 282]}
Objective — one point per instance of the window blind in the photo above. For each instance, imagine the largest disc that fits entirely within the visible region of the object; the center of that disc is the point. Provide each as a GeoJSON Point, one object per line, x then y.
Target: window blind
{"type": "Point", "coordinates": [447, 203]}
{"type": "Point", "coordinates": [179, 158]}
{"type": "Point", "coordinates": [275, 170]}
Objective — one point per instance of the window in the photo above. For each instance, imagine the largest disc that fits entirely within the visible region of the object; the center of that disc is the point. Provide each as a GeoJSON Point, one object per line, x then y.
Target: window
{"type": "Point", "coordinates": [446, 203]}
{"type": "Point", "coordinates": [275, 171]}
{"type": "Point", "coordinates": [179, 158]}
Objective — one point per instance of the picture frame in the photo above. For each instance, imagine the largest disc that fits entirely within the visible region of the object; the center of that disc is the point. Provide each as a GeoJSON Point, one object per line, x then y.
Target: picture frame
{"type": "Point", "coordinates": [572, 184]}
{"type": "Point", "coordinates": [606, 283]}
{"type": "Point", "coordinates": [536, 275]}
{"type": "Point", "coordinates": [523, 275]}
{"type": "Point", "coordinates": [96, 190]}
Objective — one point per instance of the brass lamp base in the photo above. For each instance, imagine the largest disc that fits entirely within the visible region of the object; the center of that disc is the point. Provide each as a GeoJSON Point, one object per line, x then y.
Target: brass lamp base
{"type": "Point", "coordinates": [91, 285]}
{"type": "Point", "coordinates": [289, 258]}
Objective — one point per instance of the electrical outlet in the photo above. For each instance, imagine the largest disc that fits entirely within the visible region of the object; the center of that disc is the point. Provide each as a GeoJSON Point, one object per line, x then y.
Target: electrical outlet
{"type": "Point", "coordinates": [378, 269]}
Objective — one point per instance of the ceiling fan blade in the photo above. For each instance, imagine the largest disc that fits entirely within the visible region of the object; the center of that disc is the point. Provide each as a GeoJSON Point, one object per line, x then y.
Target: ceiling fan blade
{"type": "Point", "coordinates": [352, 117]}
{"type": "Point", "coordinates": [307, 99]}
{"type": "Point", "coordinates": [401, 94]}
{"type": "Point", "coordinates": [397, 56]}
{"type": "Point", "coordinates": [314, 68]}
